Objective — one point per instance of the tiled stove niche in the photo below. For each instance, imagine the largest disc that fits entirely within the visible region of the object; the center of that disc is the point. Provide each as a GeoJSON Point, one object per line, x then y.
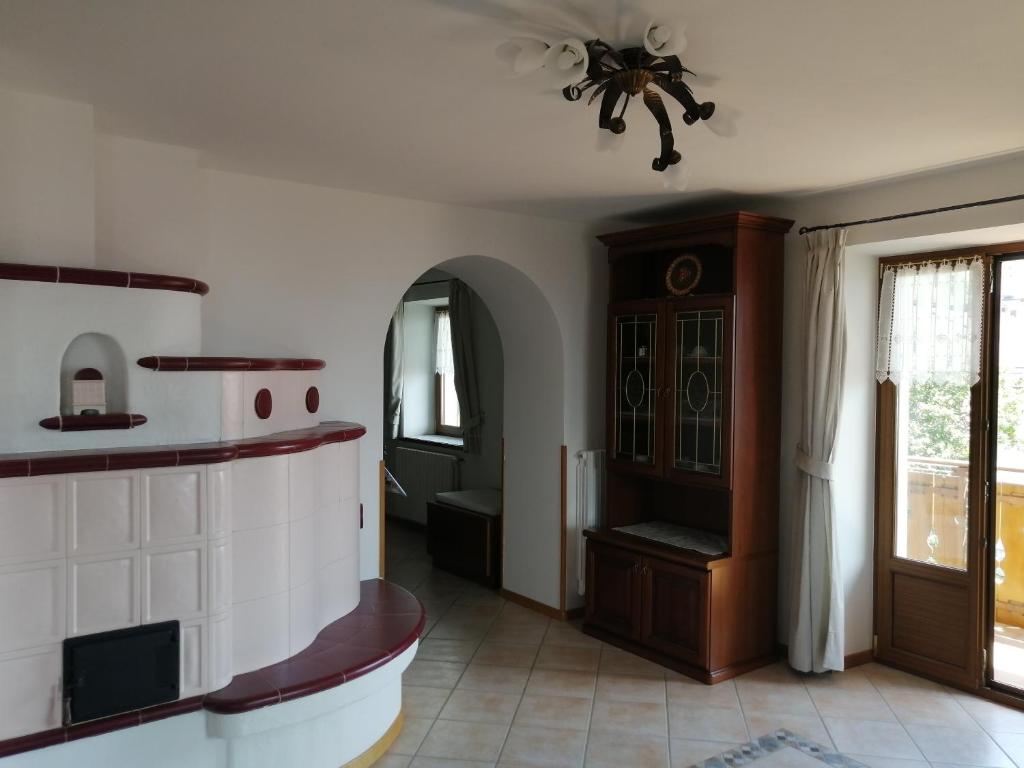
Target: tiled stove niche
{"type": "Point", "coordinates": [253, 556]}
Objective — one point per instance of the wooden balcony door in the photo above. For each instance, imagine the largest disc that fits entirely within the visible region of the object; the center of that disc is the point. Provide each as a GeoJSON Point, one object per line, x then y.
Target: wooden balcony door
{"type": "Point", "coordinates": [931, 548]}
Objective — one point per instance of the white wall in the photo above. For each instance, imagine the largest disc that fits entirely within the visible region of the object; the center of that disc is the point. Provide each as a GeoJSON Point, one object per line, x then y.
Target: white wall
{"type": "Point", "coordinates": [47, 182]}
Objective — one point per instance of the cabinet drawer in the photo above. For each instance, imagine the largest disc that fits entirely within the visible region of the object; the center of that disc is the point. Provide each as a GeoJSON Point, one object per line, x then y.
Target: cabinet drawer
{"type": "Point", "coordinates": [675, 615]}
{"type": "Point", "coordinates": [613, 590]}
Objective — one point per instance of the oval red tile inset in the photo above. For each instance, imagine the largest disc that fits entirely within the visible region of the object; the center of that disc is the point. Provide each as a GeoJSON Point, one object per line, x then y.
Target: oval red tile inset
{"type": "Point", "coordinates": [312, 399]}
{"type": "Point", "coordinates": [264, 403]}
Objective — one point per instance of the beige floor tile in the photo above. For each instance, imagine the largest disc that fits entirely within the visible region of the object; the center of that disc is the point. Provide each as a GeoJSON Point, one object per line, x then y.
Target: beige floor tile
{"type": "Point", "coordinates": [473, 611]}
{"type": "Point", "coordinates": [618, 662]}
{"type": "Point", "coordinates": [870, 737]}
{"type": "Point", "coordinates": [393, 761]}
{"type": "Point", "coordinates": [617, 750]}
{"type": "Point", "coordinates": [562, 633]}
{"type": "Point", "coordinates": [557, 711]}
{"type": "Point", "coordinates": [421, 701]}
{"type": "Point", "coordinates": [992, 716]}
{"type": "Point", "coordinates": [453, 739]}
{"type": "Point", "coordinates": [559, 682]}
{"type": "Point", "coordinates": [515, 613]}
{"type": "Point", "coordinates": [950, 745]}
{"type": "Point", "coordinates": [543, 747]}
{"type": "Point", "coordinates": [480, 707]}
{"type": "Point", "coordinates": [707, 723]}
{"type": "Point", "coordinates": [889, 762]}
{"type": "Point", "coordinates": [619, 688]}
{"type": "Point", "coordinates": [886, 678]}
{"type": "Point", "coordinates": [809, 726]}
{"type": "Point", "coordinates": [568, 657]}
{"type": "Point", "coordinates": [857, 703]}
{"type": "Point", "coordinates": [483, 677]}
{"type": "Point", "coordinates": [779, 673]}
{"type": "Point", "coordinates": [692, 693]}
{"type": "Point", "coordinates": [785, 698]}
{"type": "Point", "coordinates": [414, 730]}
{"type": "Point", "coordinates": [629, 717]}
{"type": "Point", "coordinates": [516, 632]}
{"type": "Point", "coordinates": [452, 629]}
{"type": "Point", "coordinates": [435, 674]}
{"type": "Point", "coordinates": [441, 762]}
{"type": "Point", "coordinates": [459, 651]}
{"type": "Point", "coordinates": [1012, 744]}
{"type": "Point", "coordinates": [929, 708]}
{"type": "Point", "coordinates": [686, 752]}
{"type": "Point", "coordinates": [505, 654]}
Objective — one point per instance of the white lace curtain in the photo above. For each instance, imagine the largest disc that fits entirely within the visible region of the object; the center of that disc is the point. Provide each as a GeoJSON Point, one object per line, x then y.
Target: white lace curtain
{"type": "Point", "coordinates": [444, 361]}
{"type": "Point", "coordinates": [930, 322]}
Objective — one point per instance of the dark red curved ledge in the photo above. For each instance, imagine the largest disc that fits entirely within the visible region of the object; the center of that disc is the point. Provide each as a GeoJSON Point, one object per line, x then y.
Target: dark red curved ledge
{"type": "Point", "coordinates": [101, 460]}
{"type": "Point", "coordinates": [386, 622]}
{"type": "Point", "coordinates": [90, 423]}
{"type": "Point", "coordinates": [162, 363]}
{"type": "Point", "coordinates": [109, 277]}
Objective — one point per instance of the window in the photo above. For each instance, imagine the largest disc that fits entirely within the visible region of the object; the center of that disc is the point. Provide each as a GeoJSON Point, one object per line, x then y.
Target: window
{"type": "Point", "coordinates": [446, 401]}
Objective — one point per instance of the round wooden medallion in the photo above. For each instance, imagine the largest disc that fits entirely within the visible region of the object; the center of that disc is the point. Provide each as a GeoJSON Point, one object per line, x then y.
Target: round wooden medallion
{"type": "Point", "coordinates": [312, 400]}
{"type": "Point", "coordinates": [683, 274]}
{"type": "Point", "coordinates": [264, 404]}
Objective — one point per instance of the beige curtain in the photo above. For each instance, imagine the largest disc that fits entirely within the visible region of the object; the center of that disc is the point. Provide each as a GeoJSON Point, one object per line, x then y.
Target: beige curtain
{"type": "Point", "coordinates": [816, 626]}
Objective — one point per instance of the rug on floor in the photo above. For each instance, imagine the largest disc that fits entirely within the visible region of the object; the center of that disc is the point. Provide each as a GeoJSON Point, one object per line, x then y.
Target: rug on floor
{"type": "Point", "coordinates": [778, 743]}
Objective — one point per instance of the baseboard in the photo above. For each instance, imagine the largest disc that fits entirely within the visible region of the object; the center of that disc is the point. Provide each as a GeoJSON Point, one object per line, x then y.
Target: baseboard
{"type": "Point", "coordinates": [381, 746]}
{"type": "Point", "coordinates": [533, 605]}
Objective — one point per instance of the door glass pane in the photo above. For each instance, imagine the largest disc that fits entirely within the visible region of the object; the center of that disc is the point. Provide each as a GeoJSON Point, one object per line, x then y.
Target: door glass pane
{"type": "Point", "coordinates": [1008, 654]}
{"type": "Point", "coordinates": [699, 338]}
{"type": "Point", "coordinates": [636, 379]}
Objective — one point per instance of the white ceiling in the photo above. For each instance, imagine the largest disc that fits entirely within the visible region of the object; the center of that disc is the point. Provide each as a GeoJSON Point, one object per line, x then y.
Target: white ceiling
{"type": "Point", "coordinates": [407, 97]}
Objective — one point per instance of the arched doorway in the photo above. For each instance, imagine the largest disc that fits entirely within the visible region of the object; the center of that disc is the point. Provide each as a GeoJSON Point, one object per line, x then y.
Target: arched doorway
{"type": "Point", "coordinates": [532, 423]}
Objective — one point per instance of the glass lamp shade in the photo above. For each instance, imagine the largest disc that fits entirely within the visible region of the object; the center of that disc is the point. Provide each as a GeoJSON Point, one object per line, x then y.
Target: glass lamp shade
{"type": "Point", "coordinates": [529, 54]}
{"type": "Point", "coordinates": [665, 38]}
{"type": "Point", "coordinates": [566, 62]}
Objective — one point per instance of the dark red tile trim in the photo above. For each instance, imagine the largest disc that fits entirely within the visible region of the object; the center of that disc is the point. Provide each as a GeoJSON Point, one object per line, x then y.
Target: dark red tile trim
{"type": "Point", "coordinates": [92, 423]}
{"type": "Point", "coordinates": [62, 462]}
{"type": "Point", "coordinates": [332, 659]}
{"type": "Point", "coordinates": [161, 363]}
{"type": "Point", "coordinates": [114, 278]}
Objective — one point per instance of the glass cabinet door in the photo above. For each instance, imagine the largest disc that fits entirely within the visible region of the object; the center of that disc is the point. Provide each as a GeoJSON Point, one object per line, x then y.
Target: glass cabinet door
{"type": "Point", "coordinates": [636, 386]}
{"type": "Point", "coordinates": [700, 388]}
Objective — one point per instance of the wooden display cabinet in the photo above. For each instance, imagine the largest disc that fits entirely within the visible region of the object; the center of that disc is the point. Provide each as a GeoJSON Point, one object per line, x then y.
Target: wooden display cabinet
{"type": "Point", "coordinates": [683, 571]}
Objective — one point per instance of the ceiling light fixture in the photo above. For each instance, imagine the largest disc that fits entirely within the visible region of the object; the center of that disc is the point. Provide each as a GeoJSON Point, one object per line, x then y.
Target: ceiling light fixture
{"type": "Point", "coordinates": [577, 67]}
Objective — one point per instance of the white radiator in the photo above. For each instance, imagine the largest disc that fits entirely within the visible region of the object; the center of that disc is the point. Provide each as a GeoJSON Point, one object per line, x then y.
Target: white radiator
{"type": "Point", "coordinates": [422, 474]}
{"type": "Point", "coordinates": [589, 505]}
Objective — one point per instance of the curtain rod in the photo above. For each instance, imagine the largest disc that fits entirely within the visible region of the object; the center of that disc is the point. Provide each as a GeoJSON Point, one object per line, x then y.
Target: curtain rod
{"type": "Point", "coordinates": [912, 214]}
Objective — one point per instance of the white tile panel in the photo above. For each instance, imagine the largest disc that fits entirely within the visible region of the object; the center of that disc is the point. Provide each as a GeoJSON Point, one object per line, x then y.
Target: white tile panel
{"type": "Point", "coordinates": [303, 492]}
{"type": "Point", "coordinates": [339, 589]}
{"type": "Point", "coordinates": [331, 534]}
{"type": "Point", "coordinates": [219, 570]}
{"type": "Point", "coordinates": [218, 507]}
{"type": "Point", "coordinates": [32, 604]}
{"type": "Point", "coordinates": [259, 492]}
{"type": "Point", "coordinates": [260, 631]}
{"type": "Point", "coordinates": [103, 512]}
{"type": "Point", "coordinates": [32, 518]}
{"type": "Point", "coordinates": [193, 660]}
{"type": "Point", "coordinates": [304, 622]}
{"type": "Point", "coordinates": [348, 469]}
{"type": "Point", "coordinates": [259, 562]}
{"type": "Point", "coordinates": [30, 692]}
{"type": "Point", "coordinates": [174, 582]}
{"type": "Point", "coordinates": [302, 551]}
{"type": "Point", "coordinates": [231, 406]}
{"type": "Point", "coordinates": [220, 650]}
{"type": "Point", "coordinates": [329, 473]}
{"type": "Point", "coordinates": [103, 592]}
{"type": "Point", "coordinates": [173, 504]}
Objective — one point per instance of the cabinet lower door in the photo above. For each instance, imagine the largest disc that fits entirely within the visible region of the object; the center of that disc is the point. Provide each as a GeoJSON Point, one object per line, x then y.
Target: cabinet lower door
{"type": "Point", "coordinates": [675, 617]}
{"type": "Point", "coordinates": [613, 590]}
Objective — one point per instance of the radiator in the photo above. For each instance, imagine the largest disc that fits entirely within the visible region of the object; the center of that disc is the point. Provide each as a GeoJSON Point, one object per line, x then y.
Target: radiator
{"type": "Point", "coordinates": [422, 475]}
{"type": "Point", "coordinates": [589, 505]}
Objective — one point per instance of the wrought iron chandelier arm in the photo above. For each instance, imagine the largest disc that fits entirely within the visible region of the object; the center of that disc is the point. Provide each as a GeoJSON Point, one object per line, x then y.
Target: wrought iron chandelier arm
{"type": "Point", "coordinates": [692, 111]}
{"type": "Point", "coordinates": [668, 156]}
{"type": "Point", "coordinates": [608, 102]}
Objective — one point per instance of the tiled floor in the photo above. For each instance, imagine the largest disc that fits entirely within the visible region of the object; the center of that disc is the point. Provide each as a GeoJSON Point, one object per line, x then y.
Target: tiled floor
{"type": "Point", "coordinates": [497, 684]}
